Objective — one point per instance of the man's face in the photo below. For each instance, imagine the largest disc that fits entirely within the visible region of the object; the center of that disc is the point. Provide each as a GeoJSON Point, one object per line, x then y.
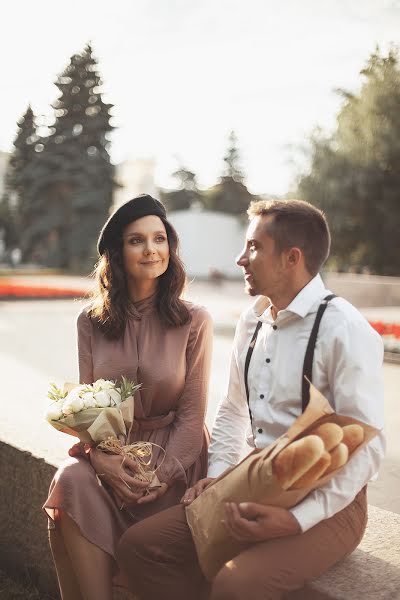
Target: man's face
{"type": "Point", "coordinates": [263, 268]}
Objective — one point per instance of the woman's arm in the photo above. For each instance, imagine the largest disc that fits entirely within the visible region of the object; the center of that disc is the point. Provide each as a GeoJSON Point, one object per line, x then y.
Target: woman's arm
{"type": "Point", "coordinates": [186, 437]}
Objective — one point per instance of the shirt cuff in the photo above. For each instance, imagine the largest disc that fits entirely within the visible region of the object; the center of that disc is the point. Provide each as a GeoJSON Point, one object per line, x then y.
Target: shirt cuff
{"type": "Point", "coordinates": [217, 468]}
{"type": "Point", "coordinates": [308, 512]}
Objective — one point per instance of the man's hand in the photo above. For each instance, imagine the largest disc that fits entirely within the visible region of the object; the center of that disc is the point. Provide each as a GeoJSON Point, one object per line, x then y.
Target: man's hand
{"type": "Point", "coordinates": [250, 522]}
{"type": "Point", "coordinates": [118, 472]}
{"type": "Point", "coordinates": [192, 493]}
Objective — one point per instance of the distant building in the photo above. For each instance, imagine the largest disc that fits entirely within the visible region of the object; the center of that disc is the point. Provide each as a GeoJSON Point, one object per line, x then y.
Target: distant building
{"type": "Point", "coordinates": [135, 177]}
{"type": "Point", "coordinates": [4, 158]}
{"type": "Point", "coordinates": [210, 242]}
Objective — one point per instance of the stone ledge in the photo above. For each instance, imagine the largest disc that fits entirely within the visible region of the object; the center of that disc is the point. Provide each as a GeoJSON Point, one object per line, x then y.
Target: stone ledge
{"type": "Point", "coordinates": [371, 572]}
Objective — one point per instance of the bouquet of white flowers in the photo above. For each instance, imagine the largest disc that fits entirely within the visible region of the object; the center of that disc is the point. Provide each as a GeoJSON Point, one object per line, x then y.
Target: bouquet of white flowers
{"type": "Point", "coordinates": [93, 412]}
{"type": "Point", "coordinates": [101, 413]}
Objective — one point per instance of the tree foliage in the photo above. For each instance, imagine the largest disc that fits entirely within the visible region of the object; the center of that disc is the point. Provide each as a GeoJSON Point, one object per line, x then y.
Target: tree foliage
{"type": "Point", "coordinates": [186, 194]}
{"type": "Point", "coordinates": [68, 183]}
{"type": "Point", "coordinates": [230, 195]}
{"type": "Point", "coordinates": [355, 173]}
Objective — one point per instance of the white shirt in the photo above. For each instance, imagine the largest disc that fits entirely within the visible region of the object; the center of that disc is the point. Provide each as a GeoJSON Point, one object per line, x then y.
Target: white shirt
{"type": "Point", "coordinates": [347, 370]}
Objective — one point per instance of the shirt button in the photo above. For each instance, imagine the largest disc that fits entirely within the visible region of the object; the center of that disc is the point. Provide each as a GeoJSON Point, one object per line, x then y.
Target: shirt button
{"type": "Point", "coordinates": [259, 430]}
{"type": "Point", "coordinates": [275, 327]}
{"type": "Point", "coordinates": [261, 396]}
{"type": "Point", "coordinates": [267, 360]}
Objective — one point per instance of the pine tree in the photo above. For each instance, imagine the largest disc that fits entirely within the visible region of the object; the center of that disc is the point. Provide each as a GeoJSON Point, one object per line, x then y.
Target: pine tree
{"type": "Point", "coordinates": [186, 194]}
{"type": "Point", "coordinates": [72, 175]}
{"type": "Point", "coordinates": [230, 195]}
{"type": "Point", "coordinates": [15, 189]}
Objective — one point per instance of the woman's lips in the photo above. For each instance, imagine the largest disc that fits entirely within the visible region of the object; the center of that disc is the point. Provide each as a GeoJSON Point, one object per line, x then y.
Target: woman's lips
{"type": "Point", "coordinates": [150, 263]}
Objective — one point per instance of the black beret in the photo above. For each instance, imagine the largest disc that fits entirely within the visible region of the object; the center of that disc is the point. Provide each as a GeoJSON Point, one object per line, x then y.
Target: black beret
{"type": "Point", "coordinates": [126, 213]}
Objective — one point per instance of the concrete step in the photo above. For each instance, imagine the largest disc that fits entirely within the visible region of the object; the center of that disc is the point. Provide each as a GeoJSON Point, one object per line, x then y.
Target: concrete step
{"type": "Point", "coordinates": [371, 572]}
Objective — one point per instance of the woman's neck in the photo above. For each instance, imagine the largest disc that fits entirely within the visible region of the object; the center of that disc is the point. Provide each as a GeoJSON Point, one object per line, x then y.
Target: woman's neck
{"type": "Point", "coordinates": [140, 290]}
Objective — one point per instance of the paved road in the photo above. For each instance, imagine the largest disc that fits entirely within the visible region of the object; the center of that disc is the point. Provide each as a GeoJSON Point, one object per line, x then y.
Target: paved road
{"type": "Point", "coordinates": [37, 345]}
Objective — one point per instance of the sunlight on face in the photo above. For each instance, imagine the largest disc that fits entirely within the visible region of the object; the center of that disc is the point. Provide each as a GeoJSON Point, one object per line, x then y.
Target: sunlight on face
{"type": "Point", "coordinates": [145, 248]}
{"type": "Point", "coordinates": [261, 264]}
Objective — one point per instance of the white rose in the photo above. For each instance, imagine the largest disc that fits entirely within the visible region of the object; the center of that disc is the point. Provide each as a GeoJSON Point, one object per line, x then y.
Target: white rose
{"type": "Point", "coordinates": [104, 384]}
{"type": "Point", "coordinates": [89, 401]}
{"type": "Point", "coordinates": [102, 399]}
{"type": "Point", "coordinates": [115, 397]}
{"type": "Point", "coordinates": [73, 403]}
{"type": "Point", "coordinates": [54, 412]}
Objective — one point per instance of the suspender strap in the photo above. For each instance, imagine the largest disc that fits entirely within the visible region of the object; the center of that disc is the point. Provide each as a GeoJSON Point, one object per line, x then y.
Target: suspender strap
{"type": "Point", "coordinates": [247, 363]}
{"type": "Point", "coordinates": [309, 356]}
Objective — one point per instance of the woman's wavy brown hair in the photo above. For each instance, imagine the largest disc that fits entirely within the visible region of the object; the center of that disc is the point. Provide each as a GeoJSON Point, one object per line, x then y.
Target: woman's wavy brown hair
{"type": "Point", "coordinates": [111, 302]}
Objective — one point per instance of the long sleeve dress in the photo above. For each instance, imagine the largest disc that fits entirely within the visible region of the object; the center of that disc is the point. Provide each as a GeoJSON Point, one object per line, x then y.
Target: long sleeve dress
{"type": "Point", "coordinates": [173, 365]}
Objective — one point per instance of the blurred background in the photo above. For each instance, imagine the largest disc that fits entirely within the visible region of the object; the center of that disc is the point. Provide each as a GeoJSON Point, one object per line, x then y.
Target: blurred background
{"type": "Point", "coordinates": [207, 105]}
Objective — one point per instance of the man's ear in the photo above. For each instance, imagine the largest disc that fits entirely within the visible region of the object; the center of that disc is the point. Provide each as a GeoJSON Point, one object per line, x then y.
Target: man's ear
{"type": "Point", "coordinates": [294, 257]}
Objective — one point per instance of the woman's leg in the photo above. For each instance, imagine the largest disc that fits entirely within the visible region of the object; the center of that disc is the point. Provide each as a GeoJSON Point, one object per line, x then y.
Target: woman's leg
{"type": "Point", "coordinates": [92, 567]}
{"type": "Point", "coordinates": [67, 581]}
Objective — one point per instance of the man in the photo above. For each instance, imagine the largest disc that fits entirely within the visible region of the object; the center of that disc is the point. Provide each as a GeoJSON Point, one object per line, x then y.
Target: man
{"type": "Point", "coordinates": [286, 245]}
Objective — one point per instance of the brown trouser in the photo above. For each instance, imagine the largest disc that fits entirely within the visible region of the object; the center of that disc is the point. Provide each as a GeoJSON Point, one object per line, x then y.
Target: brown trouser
{"type": "Point", "coordinates": [159, 558]}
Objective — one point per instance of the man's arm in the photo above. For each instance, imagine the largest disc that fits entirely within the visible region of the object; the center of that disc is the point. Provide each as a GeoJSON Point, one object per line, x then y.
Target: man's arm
{"type": "Point", "coordinates": [229, 431]}
{"type": "Point", "coordinates": [354, 358]}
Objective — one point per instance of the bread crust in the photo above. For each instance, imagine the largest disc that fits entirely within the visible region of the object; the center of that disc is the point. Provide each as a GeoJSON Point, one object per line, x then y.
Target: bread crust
{"type": "Point", "coordinates": [339, 457]}
{"type": "Point", "coordinates": [296, 459]}
{"type": "Point", "coordinates": [330, 433]}
{"type": "Point", "coordinates": [313, 474]}
{"type": "Point", "coordinates": [353, 436]}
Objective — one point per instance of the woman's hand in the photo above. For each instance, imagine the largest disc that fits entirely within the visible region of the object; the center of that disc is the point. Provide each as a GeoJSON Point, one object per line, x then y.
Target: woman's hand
{"type": "Point", "coordinates": [192, 493]}
{"type": "Point", "coordinates": [153, 495]}
{"type": "Point", "coordinates": [119, 473]}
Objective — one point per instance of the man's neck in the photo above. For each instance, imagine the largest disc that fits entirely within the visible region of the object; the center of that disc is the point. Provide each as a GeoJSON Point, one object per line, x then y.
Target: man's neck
{"type": "Point", "coordinates": [282, 300]}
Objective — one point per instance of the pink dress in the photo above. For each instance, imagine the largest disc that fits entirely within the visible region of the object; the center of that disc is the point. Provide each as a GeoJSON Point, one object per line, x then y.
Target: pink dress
{"type": "Point", "coordinates": [173, 366]}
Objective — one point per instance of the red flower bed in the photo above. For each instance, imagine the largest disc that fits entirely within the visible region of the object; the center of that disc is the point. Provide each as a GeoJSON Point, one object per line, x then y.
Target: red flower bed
{"type": "Point", "coordinates": [383, 329]}
{"type": "Point", "coordinates": [13, 290]}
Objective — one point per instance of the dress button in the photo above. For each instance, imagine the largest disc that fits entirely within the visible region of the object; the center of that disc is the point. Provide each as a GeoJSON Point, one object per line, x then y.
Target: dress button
{"type": "Point", "coordinates": [261, 396]}
{"type": "Point", "coordinates": [267, 360]}
{"type": "Point", "coordinates": [275, 327]}
{"type": "Point", "coordinates": [259, 430]}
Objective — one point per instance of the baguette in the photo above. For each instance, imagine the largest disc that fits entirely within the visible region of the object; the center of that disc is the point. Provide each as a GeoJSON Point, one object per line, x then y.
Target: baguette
{"type": "Point", "coordinates": [353, 436]}
{"type": "Point", "coordinates": [339, 456]}
{"type": "Point", "coordinates": [297, 458]}
{"type": "Point", "coordinates": [330, 433]}
{"type": "Point", "coordinates": [314, 473]}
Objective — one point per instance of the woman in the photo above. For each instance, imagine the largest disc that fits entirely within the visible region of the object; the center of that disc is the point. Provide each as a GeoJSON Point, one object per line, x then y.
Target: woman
{"type": "Point", "coordinates": [136, 326]}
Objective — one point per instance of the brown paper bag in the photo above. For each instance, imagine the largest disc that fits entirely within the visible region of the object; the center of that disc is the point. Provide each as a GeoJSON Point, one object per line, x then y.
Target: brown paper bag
{"type": "Point", "coordinates": [253, 480]}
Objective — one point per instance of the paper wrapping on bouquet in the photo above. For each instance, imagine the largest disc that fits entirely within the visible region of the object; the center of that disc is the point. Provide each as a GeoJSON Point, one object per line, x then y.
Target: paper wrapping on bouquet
{"type": "Point", "coordinates": [253, 480]}
{"type": "Point", "coordinates": [94, 425]}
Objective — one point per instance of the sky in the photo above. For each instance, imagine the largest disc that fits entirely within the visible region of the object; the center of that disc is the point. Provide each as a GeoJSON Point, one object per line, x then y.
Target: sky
{"type": "Point", "coordinates": [183, 73]}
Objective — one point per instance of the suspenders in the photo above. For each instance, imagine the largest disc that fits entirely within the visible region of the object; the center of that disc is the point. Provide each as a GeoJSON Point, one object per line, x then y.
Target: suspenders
{"type": "Point", "coordinates": [308, 359]}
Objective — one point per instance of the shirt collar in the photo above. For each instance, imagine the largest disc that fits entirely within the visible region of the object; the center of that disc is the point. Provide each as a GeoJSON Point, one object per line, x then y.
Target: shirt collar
{"type": "Point", "coordinates": [301, 305]}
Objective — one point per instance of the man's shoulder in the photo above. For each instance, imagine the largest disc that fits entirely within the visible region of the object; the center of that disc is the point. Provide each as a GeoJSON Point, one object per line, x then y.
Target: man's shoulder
{"type": "Point", "coordinates": [342, 315]}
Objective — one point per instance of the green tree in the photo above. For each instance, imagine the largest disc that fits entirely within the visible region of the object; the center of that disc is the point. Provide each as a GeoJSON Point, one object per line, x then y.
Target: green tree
{"type": "Point", "coordinates": [71, 177]}
{"type": "Point", "coordinates": [14, 192]}
{"type": "Point", "coordinates": [355, 173]}
{"type": "Point", "coordinates": [186, 193]}
{"type": "Point", "coordinates": [230, 195]}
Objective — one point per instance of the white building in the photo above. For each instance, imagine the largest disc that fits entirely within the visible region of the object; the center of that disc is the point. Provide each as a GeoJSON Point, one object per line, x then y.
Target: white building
{"type": "Point", "coordinates": [210, 241]}
{"type": "Point", "coordinates": [135, 176]}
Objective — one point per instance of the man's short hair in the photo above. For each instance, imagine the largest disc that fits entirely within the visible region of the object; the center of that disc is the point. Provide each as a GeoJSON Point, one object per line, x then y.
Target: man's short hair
{"type": "Point", "coordinates": [298, 224]}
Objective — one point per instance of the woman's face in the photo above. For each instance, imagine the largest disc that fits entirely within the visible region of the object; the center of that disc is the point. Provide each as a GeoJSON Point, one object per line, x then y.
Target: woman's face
{"type": "Point", "coordinates": [145, 248]}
